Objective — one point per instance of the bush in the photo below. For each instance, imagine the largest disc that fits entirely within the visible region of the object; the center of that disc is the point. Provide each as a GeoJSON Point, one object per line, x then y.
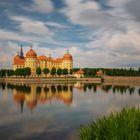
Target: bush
{"type": "Point", "coordinates": [118, 126]}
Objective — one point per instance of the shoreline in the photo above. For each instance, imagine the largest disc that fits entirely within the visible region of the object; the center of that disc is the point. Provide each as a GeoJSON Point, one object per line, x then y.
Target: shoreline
{"type": "Point", "coordinates": [116, 80]}
{"type": "Point", "coordinates": [29, 80]}
{"type": "Point", "coordinates": [104, 80]}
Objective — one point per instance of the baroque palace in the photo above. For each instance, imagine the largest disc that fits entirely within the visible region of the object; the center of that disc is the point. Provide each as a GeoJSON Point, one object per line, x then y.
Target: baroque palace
{"type": "Point", "coordinates": [33, 61]}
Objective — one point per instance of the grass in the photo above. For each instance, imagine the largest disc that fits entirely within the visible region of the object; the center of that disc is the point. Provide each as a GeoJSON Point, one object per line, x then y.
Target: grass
{"type": "Point", "coordinates": [124, 125]}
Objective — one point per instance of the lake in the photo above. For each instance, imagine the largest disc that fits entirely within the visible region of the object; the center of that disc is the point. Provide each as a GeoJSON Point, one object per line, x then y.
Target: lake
{"type": "Point", "coordinates": [56, 111]}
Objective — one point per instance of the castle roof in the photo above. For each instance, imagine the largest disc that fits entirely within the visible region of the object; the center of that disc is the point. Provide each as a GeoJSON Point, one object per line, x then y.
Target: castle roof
{"type": "Point", "coordinates": [31, 54]}
{"type": "Point", "coordinates": [67, 56]}
{"type": "Point", "coordinates": [18, 60]}
{"type": "Point", "coordinates": [42, 58]}
{"type": "Point", "coordinates": [59, 60]}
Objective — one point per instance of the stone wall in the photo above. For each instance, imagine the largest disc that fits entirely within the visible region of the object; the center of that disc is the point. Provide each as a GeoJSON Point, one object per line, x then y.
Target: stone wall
{"type": "Point", "coordinates": [121, 80]}
{"type": "Point", "coordinates": [51, 80]}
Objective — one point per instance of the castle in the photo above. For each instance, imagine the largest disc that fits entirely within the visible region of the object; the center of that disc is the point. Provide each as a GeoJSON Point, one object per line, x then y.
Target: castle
{"type": "Point", "coordinates": [33, 61]}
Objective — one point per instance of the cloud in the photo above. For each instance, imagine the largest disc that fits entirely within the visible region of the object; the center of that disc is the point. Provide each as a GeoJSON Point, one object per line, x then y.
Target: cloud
{"type": "Point", "coordinates": [41, 6]}
{"type": "Point", "coordinates": [117, 48]}
{"type": "Point", "coordinates": [6, 57]}
{"type": "Point", "coordinates": [90, 14]}
{"type": "Point", "coordinates": [56, 25]}
{"type": "Point", "coordinates": [82, 13]}
{"type": "Point", "coordinates": [31, 26]}
{"type": "Point", "coordinates": [133, 8]}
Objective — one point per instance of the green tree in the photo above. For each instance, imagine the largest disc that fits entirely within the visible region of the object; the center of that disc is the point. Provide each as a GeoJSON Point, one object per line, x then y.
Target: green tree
{"type": "Point", "coordinates": [139, 71]}
{"type": "Point", "coordinates": [59, 71]}
{"type": "Point", "coordinates": [2, 73]}
{"type": "Point", "coordinates": [71, 71]}
{"type": "Point", "coordinates": [46, 71]}
{"type": "Point", "coordinates": [53, 71]}
{"type": "Point", "coordinates": [65, 71]}
{"type": "Point", "coordinates": [17, 72]}
{"type": "Point", "coordinates": [10, 73]}
{"type": "Point", "coordinates": [38, 71]}
{"type": "Point", "coordinates": [28, 71]}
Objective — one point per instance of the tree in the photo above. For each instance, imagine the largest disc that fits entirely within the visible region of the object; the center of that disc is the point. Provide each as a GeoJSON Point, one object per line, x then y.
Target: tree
{"type": "Point", "coordinates": [28, 71]}
{"type": "Point", "coordinates": [53, 71]}
{"type": "Point", "coordinates": [46, 71]}
{"type": "Point", "coordinates": [65, 71]}
{"type": "Point", "coordinates": [38, 71]}
{"type": "Point", "coordinates": [2, 73]}
{"type": "Point", "coordinates": [139, 70]}
{"type": "Point", "coordinates": [71, 71]}
{"type": "Point", "coordinates": [10, 72]}
{"type": "Point", "coordinates": [59, 71]}
{"type": "Point", "coordinates": [17, 72]}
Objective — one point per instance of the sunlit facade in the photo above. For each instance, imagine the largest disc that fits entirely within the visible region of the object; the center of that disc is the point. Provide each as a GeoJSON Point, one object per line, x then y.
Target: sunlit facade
{"type": "Point", "coordinates": [33, 61]}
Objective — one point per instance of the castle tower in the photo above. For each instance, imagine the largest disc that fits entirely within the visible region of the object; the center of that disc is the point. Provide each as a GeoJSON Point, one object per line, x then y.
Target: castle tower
{"type": "Point", "coordinates": [67, 61]}
{"type": "Point", "coordinates": [31, 60]}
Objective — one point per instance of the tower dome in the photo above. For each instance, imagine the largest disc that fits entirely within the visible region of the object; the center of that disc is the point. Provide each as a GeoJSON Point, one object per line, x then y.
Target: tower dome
{"type": "Point", "coordinates": [31, 54]}
{"type": "Point", "coordinates": [67, 56]}
{"type": "Point", "coordinates": [17, 57]}
{"type": "Point", "coordinates": [18, 60]}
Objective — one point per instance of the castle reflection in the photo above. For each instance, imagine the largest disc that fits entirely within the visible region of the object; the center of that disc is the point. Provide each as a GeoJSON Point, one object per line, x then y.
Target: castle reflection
{"type": "Point", "coordinates": [34, 94]}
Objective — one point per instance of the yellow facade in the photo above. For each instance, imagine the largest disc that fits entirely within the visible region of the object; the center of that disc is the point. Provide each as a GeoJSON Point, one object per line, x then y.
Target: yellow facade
{"type": "Point", "coordinates": [33, 61]}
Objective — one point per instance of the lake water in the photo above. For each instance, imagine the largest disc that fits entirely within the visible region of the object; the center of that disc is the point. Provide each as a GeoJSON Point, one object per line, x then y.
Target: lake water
{"type": "Point", "coordinates": [56, 111]}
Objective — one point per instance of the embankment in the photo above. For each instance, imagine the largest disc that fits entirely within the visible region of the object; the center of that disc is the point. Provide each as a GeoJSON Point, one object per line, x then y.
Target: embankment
{"type": "Point", "coordinates": [49, 80]}
{"type": "Point", "coordinates": [116, 80]}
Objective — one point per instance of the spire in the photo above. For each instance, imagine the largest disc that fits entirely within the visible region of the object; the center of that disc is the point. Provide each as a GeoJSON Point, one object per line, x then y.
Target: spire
{"type": "Point", "coordinates": [21, 53]}
{"type": "Point", "coordinates": [49, 55]}
{"type": "Point", "coordinates": [67, 50]}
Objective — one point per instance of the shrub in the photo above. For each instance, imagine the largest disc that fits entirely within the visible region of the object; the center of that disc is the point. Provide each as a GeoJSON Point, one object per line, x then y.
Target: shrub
{"type": "Point", "coordinates": [117, 126]}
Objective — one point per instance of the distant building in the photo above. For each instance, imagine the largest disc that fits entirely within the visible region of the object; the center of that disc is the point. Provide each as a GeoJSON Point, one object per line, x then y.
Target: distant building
{"type": "Point", "coordinates": [100, 73]}
{"type": "Point", "coordinates": [33, 61]}
{"type": "Point", "coordinates": [79, 74]}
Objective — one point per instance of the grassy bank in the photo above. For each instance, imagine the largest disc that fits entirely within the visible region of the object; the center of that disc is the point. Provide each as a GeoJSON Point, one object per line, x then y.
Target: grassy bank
{"type": "Point", "coordinates": [118, 126]}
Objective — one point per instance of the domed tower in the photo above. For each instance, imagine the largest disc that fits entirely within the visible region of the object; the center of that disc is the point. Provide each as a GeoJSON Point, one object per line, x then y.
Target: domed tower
{"type": "Point", "coordinates": [67, 61]}
{"type": "Point", "coordinates": [18, 62]}
{"type": "Point", "coordinates": [31, 60]}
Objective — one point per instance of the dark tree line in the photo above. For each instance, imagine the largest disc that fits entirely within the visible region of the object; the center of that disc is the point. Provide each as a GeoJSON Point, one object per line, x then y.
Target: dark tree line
{"type": "Point", "coordinates": [27, 72]}
{"type": "Point", "coordinates": [123, 72]}
{"type": "Point", "coordinates": [53, 71]}
{"type": "Point", "coordinates": [88, 72]}
{"type": "Point", "coordinates": [18, 72]}
{"type": "Point", "coordinates": [91, 72]}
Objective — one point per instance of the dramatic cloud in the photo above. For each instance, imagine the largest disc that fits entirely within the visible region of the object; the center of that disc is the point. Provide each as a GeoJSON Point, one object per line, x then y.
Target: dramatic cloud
{"type": "Point", "coordinates": [42, 6]}
{"type": "Point", "coordinates": [133, 8]}
{"type": "Point", "coordinates": [31, 26]}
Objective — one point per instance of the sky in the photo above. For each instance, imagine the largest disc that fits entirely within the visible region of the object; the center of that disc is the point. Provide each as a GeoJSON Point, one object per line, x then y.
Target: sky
{"type": "Point", "coordinates": [98, 33]}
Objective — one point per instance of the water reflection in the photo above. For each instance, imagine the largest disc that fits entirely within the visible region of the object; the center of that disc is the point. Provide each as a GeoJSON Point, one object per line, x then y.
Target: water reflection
{"type": "Point", "coordinates": [33, 94]}
{"type": "Point", "coordinates": [108, 88]}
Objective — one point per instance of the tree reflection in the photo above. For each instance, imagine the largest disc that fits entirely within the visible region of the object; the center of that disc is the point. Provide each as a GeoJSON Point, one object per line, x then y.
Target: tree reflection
{"type": "Point", "coordinates": [139, 91]}
{"type": "Point", "coordinates": [59, 88]}
{"type": "Point", "coordinates": [32, 94]}
{"type": "Point", "coordinates": [38, 90]}
{"type": "Point", "coordinates": [3, 85]}
{"type": "Point", "coordinates": [46, 89]}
